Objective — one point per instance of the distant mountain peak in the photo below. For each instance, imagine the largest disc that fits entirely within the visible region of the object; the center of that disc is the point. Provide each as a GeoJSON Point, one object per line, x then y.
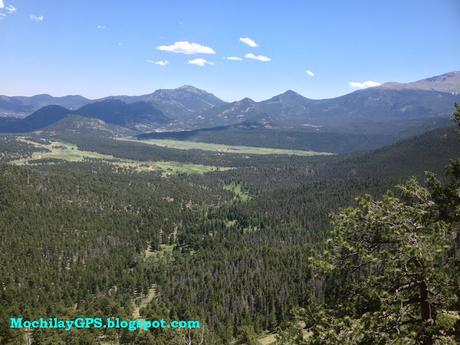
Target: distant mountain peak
{"type": "Point", "coordinates": [290, 93]}
{"type": "Point", "coordinates": [42, 95]}
{"type": "Point", "coordinates": [112, 101]}
{"type": "Point", "coordinates": [182, 102]}
{"type": "Point", "coordinates": [189, 107]}
{"type": "Point", "coordinates": [443, 77]}
{"type": "Point", "coordinates": [447, 82]}
{"type": "Point", "coordinates": [179, 90]}
{"type": "Point", "coordinates": [288, 98]}
{"type": "Point", "coordinates": [76, 123]}
{"type": "Point", "coordinates": [53, 107]}
{"type": "Point", "coordinates": [246, 100]}
{"type": "Point", "coordinates": [190, 88]}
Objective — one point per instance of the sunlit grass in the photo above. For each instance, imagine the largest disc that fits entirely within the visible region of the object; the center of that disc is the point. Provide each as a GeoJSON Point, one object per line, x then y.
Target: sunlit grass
{"type": "Point", "coordinates": [192, 145]}
{"type": "Point", "coordinates": [55, 151]}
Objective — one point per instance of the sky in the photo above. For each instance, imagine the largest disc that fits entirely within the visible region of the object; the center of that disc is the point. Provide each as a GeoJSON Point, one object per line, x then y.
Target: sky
{"type": "Point", "coordinates": [234, 48]}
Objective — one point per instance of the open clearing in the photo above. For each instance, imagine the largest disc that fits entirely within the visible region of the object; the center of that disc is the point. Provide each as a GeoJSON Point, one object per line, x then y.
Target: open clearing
{"type": "Point", "coordinates": [166, 167]}
{"type": "Point", "coordinates": [142, 302]}
{"type": "Point", "coordinates": [238, 191]}
{"type": "Point", "coordinates": [58, 150]}
{"type": "Point", "coordinates": [55, 151]}
{"type": "Point", "coordinates": [267, 339]}
{"type": "Point", "coordinates": [270, 338]}
{"type": "Point", "coordinates": [192, 145]}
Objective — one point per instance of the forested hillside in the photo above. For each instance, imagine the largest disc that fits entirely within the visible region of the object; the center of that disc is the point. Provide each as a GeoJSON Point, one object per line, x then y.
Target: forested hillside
{"type": "Point", "coordinates": [232, 248]}
{"type": "Point", "coordinates": [230, 172]}
{"type": "Point", "coordinates": [361, 120]}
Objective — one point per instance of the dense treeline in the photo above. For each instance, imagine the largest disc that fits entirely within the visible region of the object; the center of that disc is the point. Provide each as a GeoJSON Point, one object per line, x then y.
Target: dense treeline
{"type": "Point", "coordinates": [361, 136]}
{"type": "Point", "coordinates": [142, 152]}
{"type": "Point", "coordinates": [229, 248]}
{"type": "Point", "coordinates": [391, 269]}
{"type": "Point", "coordinates": [67, 240]}
{"type": "Point", "coordinates": [307, 139]}
{"type": "Point", "coordinates": [14, 149]}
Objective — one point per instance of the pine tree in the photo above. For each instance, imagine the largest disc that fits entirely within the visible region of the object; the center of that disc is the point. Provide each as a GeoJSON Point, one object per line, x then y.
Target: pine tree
{"type": "Point", "coordinates": [390, 266]}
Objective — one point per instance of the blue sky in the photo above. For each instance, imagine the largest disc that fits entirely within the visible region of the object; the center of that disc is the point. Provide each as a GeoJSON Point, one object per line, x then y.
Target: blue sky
{"type": "Point", "coordinates": [99, 48]}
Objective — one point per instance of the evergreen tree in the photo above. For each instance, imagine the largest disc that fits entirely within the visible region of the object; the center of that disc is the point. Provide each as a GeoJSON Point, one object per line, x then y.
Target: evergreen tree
{"type": "Point", "coordinates": [390, 266]}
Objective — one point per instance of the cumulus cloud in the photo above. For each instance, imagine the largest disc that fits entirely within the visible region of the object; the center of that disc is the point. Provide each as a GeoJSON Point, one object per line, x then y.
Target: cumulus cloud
{"type": "Point", "coordinates": [363, 85]}
{"type": "Point", "coordinates": [234, 58]}
{"type": "Point", "coordinates": [101, 27]}
{"type": "Point", "coordinates": [257, 57]}
{"type": "Point", "coordinates": [185, 47]}
{"type": "Point", "coordinates": [10, 9]}
{"type": "Point", "coordinates": [200, 62]}
{"type": "Point", "coordinates": [310, 73]}
{"type": "Point", "coordinates": [36, 18]}
{"type": "Point", "coordinates": [248, 41]}
{"type": "Point", "coordinates": [159, 62]}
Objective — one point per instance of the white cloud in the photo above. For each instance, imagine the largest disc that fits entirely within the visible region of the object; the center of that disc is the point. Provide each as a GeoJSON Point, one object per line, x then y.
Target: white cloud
{"type": "Point", "coordinates": [200, 62]}
{"type": "Point", "coordinates": [185, 47]}
{"type": "Point", "coordinates": [101, 27]}
{"type": "Point", "coordinates": [234, 58]}
{"type": "Point", "coordinates": [36, 18]}
{"type": "Point", "coordinates": [159, 62]}
{"type": "Point", "coordinates": [257, 57]}
{"type": "Point", "coordinates": [248, 41]}
{"type": "Point", "coordinates": [310, 73]}
{"type": "Point", "coordinates": [363, 85]}
{"type": "Point", "coordinates": [10, 9]}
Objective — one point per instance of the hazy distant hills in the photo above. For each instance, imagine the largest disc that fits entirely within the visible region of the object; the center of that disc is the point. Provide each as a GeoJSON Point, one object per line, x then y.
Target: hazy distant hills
{"type": "Point", "coordinates": [180, 103]}
{"type": "Point", "coordinates": [76, 124]}
{"type": "Point", "coordinates": [371, 117]}
{"type": "Point", "coordinates": [448, 82]}
{"type": "Point", "coordinates": [244, 110]}
{"type": "Point", "coordinates": [20, 106]}
{"type": "Point", "coordinates": [381, 105]}
{"type": "Point", "coordinates": [138, 115]}
{"type": "Point", "coordinates": [183, 102]}
{"type": "Point", "coordinates": [41, 118]}
{"type": "Point", "coordinates": [131, 115]}
{"type": "Point", "coordinates": [365, 136]}
{"type": "Point", "coordinates": [391, 102]}
{"type": "Point", "coordinates": [429, 151]}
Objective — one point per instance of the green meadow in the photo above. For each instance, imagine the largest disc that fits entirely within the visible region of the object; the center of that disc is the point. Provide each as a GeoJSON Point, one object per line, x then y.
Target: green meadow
{"type": "Point", "coordinates": [253, 150]}
{"type": "Point", "coordinates": [55, 151]}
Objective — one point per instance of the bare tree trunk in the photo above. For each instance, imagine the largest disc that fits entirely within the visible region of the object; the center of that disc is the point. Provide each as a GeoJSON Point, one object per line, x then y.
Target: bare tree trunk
{"type": "Point", "coordinates": [187, 338]}
{"type": "Point", "coordinates": [426, 314]}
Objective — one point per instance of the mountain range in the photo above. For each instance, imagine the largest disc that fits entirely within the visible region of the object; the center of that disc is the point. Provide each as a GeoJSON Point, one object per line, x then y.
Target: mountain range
{"type": "Point", "coordinates": [403, 108]}
{"type": "Point", "coordinates": [448, 82]}
{"type": "Point", "coordinates": [180, 103]}
{"type": "Point", "coordinates": [137, 115]}
{"type": "Point", "coordinates": [21, 106]}
{"type": "Point", "coordinates": [428, 98]}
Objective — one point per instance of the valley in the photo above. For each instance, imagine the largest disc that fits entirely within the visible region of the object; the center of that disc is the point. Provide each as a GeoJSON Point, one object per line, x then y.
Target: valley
{"type": "Point", "coordinates": [361, 120]}
{"type": "Point", "coordinates": [54, 152]}
{"type": "Point", "coordinates": [230, 172]}
{"type": "Point", "coordinates": [192, 145]}
{"type": "Point", "coordinates": [226, 224]}
{"type": "Point", "coordinates": [124, 215]}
